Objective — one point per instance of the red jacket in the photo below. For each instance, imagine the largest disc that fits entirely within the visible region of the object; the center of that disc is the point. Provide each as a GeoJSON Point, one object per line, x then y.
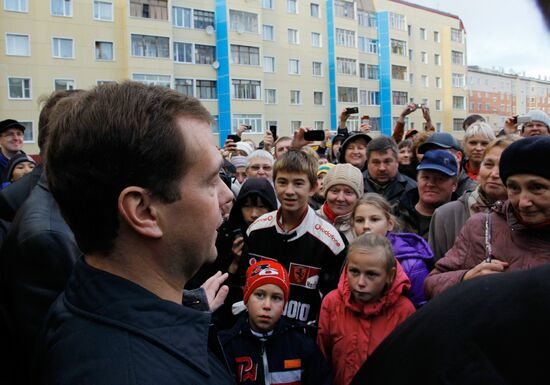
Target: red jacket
{"type": "Point", "coordinates": [350, 331]}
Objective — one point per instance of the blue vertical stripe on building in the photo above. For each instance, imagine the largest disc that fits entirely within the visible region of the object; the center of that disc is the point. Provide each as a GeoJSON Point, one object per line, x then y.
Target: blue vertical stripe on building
{"type": "Point", "coordinates": [385, 72]}
{"type": "Point", "coordinates": [331, 65]}
{"type": "Point", "coordinates": [222, 56]}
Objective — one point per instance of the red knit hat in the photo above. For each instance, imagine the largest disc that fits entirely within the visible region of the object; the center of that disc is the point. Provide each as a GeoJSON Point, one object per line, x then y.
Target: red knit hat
{"type": "Point", "coordinates": [263, 273]}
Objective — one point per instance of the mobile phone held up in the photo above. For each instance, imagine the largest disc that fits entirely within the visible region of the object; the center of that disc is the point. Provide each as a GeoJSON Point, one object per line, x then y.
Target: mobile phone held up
{"type": "Point", "coordinates": [352, 110]}
{"type": "Point", "coordinates": [234, 138]}
{"type": "Point", "coordinates": [273, 130]}
{"type": "Point", "coordinates": [314, 135]}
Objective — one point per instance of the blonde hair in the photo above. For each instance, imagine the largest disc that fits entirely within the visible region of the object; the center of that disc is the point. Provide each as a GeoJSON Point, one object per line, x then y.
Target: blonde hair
{"type": "Point", "coordinates": [369, 242]}
{"type": "Point", "coordinates": [381, 204]}
{"type": "Point", "coordinates": [502, 142]}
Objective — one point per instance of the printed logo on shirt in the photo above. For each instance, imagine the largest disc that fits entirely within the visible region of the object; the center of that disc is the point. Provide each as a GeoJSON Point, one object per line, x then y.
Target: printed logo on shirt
{"type": "Point", "coordinates": [247, 370]}
{"type": "Point", "coordinates": [304, 275]}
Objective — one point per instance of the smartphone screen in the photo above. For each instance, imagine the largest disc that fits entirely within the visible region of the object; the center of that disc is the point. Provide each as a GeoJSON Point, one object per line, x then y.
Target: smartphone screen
{"type": "Point", "coordinates": [314, 135]}
{"type": "Point", "coordinates": [234, 138]}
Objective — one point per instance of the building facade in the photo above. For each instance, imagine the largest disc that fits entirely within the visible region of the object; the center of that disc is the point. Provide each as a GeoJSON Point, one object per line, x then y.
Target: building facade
{"type": "Point", "coordinates": [496, 95]}
{"type": "Point", "coordinates": [287, 63]}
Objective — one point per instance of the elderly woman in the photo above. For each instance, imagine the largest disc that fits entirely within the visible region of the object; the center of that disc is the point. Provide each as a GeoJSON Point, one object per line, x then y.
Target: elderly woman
{"type": "Point", "coordinates": [447, 220]}
{"type": "Point", "coordinates": [476, 139]}
{"type": "Point", "coordinates": [343, 187]}
{"type": "Point", "coordinates": [516, 234]}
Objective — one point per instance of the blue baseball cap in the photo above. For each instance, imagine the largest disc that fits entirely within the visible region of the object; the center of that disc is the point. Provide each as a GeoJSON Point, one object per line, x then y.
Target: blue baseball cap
{"type": "Point", "coordinates": [439, 140]}
{"type": "Point", "coordinates": [439, 160]}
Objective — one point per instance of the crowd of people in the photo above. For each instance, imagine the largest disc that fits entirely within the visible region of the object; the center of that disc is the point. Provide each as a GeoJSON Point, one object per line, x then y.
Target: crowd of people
{"type": "Point", "coordinates": [284, 261]}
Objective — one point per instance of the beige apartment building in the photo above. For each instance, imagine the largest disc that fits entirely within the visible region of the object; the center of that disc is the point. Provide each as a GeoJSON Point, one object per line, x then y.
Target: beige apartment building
{"type": "Point", "coordinates": [496, 95]}
{"type": "Point", "coordinates": [284, 63]}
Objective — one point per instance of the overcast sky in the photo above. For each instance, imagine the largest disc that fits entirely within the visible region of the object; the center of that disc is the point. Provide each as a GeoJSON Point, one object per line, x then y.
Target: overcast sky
{"type": "Point", "coordinates": [502, 33]}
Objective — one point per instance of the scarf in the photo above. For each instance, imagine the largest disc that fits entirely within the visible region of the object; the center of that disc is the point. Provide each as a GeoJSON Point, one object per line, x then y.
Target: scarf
{"type": "Point", "coordinates": [478, 201]}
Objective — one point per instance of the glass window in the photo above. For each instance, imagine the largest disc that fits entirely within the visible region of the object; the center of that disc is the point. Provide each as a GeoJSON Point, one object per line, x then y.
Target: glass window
{"type": "Point", "coordinates": [295, 97]}
{"type": "Point", "coordinates": [345, 37]}
{"type": "Point", "coordinates": [16, 5]}
{"type": "Point", "coordinates": [152, 79]}
{"type": "Point", "coordinates": [246, 89]}
{"type": "Point", "coordinates": [457, 57]}
{"type": "Point", "coordinates": [181, 17]}
{"type": "Point", "coordinates": [424, 79]}
{"type": "Point", "coordinates": [458, 80]}
{"type": "Point", "coordinates": [184, 86]}
{"type": "Point", "coordinates": [399, 47]}
{"type": "Point", "coordinates": [103, 50]}
{"type": "Point", "coordinates": [28, 135]}
{"type": "Point", "coordinates": [295, 125]}
{"type": "Point", "coordinates": [424, 57]}
{"type": "Point", "coordinates": [316, 39]}
{"type": "Point", "coordinates": [457, 124]}
{"type": "Point", "coordinates": [62, 7]}
{"type": "Point", "coordinates": [267, 4]}
{"type": "Point", "coordinates": [293, 66]}
{"type": "Point", "coordinates": [17, 45]}
{"type": "Point", "coordinates": [344, 9]}
{"type": "Point", "coordinates": [399, 98]}
{"type": "Point", "coordinates": [63, 84]}
{"type": "Point", "coordinates": [347, 94]}
{"type": "Point", "coordinates": [203, 19]}
{"type": "Point", "coordinates": [293, 37]}
{"type": "Point", "coordinates": [206, 89]}
{"type": "Point", "coordinates": [459, 103]}
{"type": "Point", "coordinates": [253, 120]}
{"type": "Point", "coordinates": [242, 54]}
{"type": "Point", "coordinates": [62, 48]}
{"type": "Point", "coordinates": [150, 46]}
{"type": "Point", "coordinates": [346, 66]}
{"type": "Point", "coordinates": [269, 64]}
{"type": "Point", "coordinates": [423, 34]}
{"type": "Point", "coordinates": [456, 35]}
{"type": "Point", "coordinates": [438, 82]}
{"type": "Point", "coordinates": [372, 72]}
{"type": "Point", "coordinates": [398, 21]}
{"type": "Point", "coordinates": [372, 46]}
{"type": "Point", "coordinates": [205, 54]}
{"type": "Point", "coordinates": [241, 21]}
{"type": "Point", "coordinates": [270, 96]}
{"type": "Point", "coordinates": [438, 105]}
{"type": "Point", "coordinates": [437, 59]}
{"type": "Point", "coordinates": [314, 10]}
{"type": "Point", "coordinates": [373, 98]}
{"type": "Point", "coordinates": [149, 9]}
{"type": "Point", "coordinates": [318, 98]}
{"type": "Point", "coordinates": [292, 6]}
{"type": "Point", "coordinates": [436, 37]}
{"type": "Point", "coordinates": [19, 88]}
{"type": "Point", "coordinates": [103, 10]}
{"type": "Point", "coordinates": [319, 125]}
{"type": "Point", "coordinates": [183, 52]}
{"type": "Point", "coordinates": [268, 32]}
{"type": "Point", "coordinates": [317, 68]}
{"type": "Point", "coordinates": [398, 72]}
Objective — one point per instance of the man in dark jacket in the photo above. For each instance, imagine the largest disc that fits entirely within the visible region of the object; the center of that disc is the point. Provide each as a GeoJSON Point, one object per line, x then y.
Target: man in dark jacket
{"type": "Point", "coordinates": [382, 175]}
{"type": "Point", "coordinates": [143, 196]}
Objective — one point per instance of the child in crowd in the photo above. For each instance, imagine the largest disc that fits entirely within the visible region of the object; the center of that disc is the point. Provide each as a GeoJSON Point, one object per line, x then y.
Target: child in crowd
{"type": "Point", "coordinates": [367, 306]}
{"type": "Point", "coordinates": [373, 215]}
{"type": "Point", "coordinates": [309, 247]}
{"type": "Point", "coordinates": [262, 347]}
{"type": "Point", "coordinates": [18, 166]}
{"type": "Point", "coordinates": [318, 198]}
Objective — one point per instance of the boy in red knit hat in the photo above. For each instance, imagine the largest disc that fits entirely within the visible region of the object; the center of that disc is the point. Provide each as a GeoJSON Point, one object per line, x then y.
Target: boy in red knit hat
{"type": "Point", "coordinates": [262, 347]}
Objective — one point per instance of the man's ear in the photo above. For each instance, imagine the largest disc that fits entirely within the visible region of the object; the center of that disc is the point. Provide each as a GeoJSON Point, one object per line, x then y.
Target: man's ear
{"type": "Point", "coordinates": [459, 156]}
{"type": "Point", "coordinates": [136, 208]}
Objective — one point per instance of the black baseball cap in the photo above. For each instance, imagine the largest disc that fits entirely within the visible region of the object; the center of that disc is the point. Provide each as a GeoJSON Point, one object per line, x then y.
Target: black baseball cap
{"type": "Point", "coordinates": [441, 140]}
{"type": "Point", "coordinates": [5, 125]}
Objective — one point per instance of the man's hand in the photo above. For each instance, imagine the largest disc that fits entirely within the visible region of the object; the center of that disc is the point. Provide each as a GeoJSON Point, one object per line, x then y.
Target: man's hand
{"type": "Point", "coordinates": [268, 140]}
{"type": "Point", "coordinates": [230, 146]}
{"type": "Point", "coordinates": [365, 127]}
{"type": "Point", "coordinates": [242, 128]}
{"type": "Point", "coordinates": [427, 118]}
{"type": "Point", "coordinates": [344, 115]}
{"type": "Point", "coordinates": [511, 125]}
{"type": "Point", "coordinates": [215, 293]}
{"type": "Point", "coordinates": [298, 140]}
{"type": "Point", "coordinates": [484, 268]}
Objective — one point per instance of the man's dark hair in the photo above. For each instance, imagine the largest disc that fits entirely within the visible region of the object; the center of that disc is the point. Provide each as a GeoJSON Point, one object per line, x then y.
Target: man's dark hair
{"type": "Point", "coordinates": [109, 138]}
{"type": "Point", "coordinates": [382, 144]}
{"type": "Point", "coordinates": [49, 103]}
{"type": "Point", "coordinates": [299, 162]}
{"type": "Point", "coordinates": [471, 120]}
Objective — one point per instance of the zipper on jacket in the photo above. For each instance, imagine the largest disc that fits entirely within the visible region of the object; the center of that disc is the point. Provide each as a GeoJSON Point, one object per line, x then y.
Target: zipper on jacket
{"type": "Point", "coordinates": [267, 377]}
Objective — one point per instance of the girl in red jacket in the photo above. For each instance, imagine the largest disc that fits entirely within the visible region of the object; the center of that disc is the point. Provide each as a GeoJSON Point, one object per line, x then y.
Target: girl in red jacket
{"type": "Point", "coordinates": [367, 305]}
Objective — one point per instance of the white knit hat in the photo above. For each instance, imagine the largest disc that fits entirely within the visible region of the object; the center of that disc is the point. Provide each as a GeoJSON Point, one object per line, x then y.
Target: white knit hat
{"type": "Point", "coordinates": [540, 116]}
{"type": "Point", "coordinates": [243, 146]}
{"type": "Point", "coordinates": [346, 174]}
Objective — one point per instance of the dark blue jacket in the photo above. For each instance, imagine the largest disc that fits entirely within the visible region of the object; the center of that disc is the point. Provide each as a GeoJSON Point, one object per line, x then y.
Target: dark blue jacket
{"type": "Point", "coordinates": [106, 330]}
{"type": "Point", "coordinates": [291, 355]}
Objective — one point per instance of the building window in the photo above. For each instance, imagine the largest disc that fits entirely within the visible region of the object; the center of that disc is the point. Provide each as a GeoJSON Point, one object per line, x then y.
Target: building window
{"type": "Point", "coordinates": [398, 21]}
{"type": "Point", "coordinates": [458, 103]}
{"type": "Point", "coordinates": [398, 72]}
{"type": "Point", "coordinates": [28, 135]}
{"type": "Point", "coordinates": [62, 48]}
{"type": "Point", "coordinates": [63, 84]}
{"type": "Point", "coordinates": [206, 89]}
{"type": "Point", "coordinates": [295, 125]}
{"type": "Point", "coordinates": [344, 9]}
{"type": "Point", "coordinates": [316, 39]}
{"type": "Point", "coordinates": [347, 94]}
{"type": "Point", "coordinates": [241, 21]}
{"type": "Point", "coordinates": [372, 46]}
{"type": "Point", "coordinates": [457, 57]}
{"type": "Point", "coordinates": [423, 34]}
{"type": "Point", "coordinates": [19, 88]}
{"type": "Point", "coordinates": [411, 79]}
{"type": "Point", "coordinates": [103, 50]}
{"type": "Point", "coordinates": [314, 10]}
{"type": "Point", "coordinates": [268, 32]}
{"type": "Point", "coordinates": [242, 54]}
{"type": "Point", "coordinates": [295, 97]}
{"type": "Point", "coordinates": [183, 52]}
{"type": "Point", "coordinates": [16, 5]}
{"type": "Point", "coordinates": [317, 68]}
{"type": "Point", "coordinates": [438, 126]}
{"type": "Point", "coordinates": [150, 46]}
{"type": "Point", "coordinates": [319, 125]}
{"type": "Point", "coordinates": [246, 89]}
{"type": "Point", "coordinates": [318, 98]}
{"type": "Point", "coordinates": [399, 47]}
{"type": "Point", "coordinates": [267, 4]}
{"type": "Point", "coordinates": [363, 97]}
{"type": "Point", "coordinates": [293, 36]}
{"type": "Point", "coordinates": [181, 17]}
{"type": "Point", "coordinates": [436, 37]}
{"type": "Point", "coordinates": [457, 124]}
{"type": "Point", "coordinates": [345, 37]}
{"type": "Point", "coordinates": [346, 66]}
{"type": "Point", "coordinates": [270, 96]}
{"type": "Point", "coordinates": [153, 80]}
{"type": "Point", "coordinates": [366, 19]}
{"type": "Point", "coordinates": [253, 120]}
{"type": "Point", "coordinates": [373, 98]}
{"type": "Point", "coordinates": [184, 86]}
{"type": "Point", "coordinates": [373, 72]}
{"type": "Point", "coordinates": [438, 82]}
{"type": "Point", "coordinates": [205, 54]}
{"type": "Point", "coordinates": [362, 71]}
{"type": "Point", "coordinates": [458, 80]}
{"type": "Point", "coordinates": [292, 6]}
{"type": "Point", "coordinates": [204, 19]}
{"type": "Point", "coordinates": [438, 105]}
{"type": "Point", "coordinates": [424, 80]}
{"type": "Point", "coordinates": [62, 8]}
{"type": "Point", "coordinates": [103, 10]}
{"type": "Point", "coordinates": [424, 57]}
{"type": "Point", "coordinates": [294, 66]}
{"type": "Point", "coordinates": [269, 64]}
{"type": "Point", "coordinates": [399, 98]}
{"type": "Point", "coordinates": [17, 45]}
{"type": "Point", "coordinates": [437, 59]}
{"type": "Point", "coordinates": [456, 35]}
{"type": "Point", "coordinates": [149, 9]}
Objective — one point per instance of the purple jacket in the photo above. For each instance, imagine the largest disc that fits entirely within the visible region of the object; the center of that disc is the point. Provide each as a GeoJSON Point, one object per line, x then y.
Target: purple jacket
{"type": "Point", "coordinates": [417, 259]}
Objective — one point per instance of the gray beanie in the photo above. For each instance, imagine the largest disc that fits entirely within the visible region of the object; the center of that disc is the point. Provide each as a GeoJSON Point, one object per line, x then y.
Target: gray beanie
{"type": "Point", "coordinates": [346, 174]}
{"type": "Point", "coordinates": [540, 116]}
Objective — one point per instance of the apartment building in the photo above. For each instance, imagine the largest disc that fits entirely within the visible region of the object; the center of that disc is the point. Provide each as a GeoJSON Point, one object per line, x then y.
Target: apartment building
{"type": "Point", "coordinates": [495, 95]}
{"type": "Point", "coordinates": [287, 63]}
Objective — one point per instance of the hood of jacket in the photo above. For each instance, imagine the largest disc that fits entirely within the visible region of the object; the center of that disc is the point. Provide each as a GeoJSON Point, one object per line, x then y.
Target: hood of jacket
{"type": "Point", "coordinates": [409, 245]}
{"type": "Point", "coordinates": [399, 285]}
{"type": "Point", "coordinates": [258, 186]}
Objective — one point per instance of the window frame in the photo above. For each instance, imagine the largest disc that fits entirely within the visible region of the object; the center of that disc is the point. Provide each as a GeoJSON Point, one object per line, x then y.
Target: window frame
{"type": "Point", "coordinates": [14, 34]}
{"type": "Point", "coordinates": [59, 38]}
{"type": "Point", "coordinates": [63, 7]}
{"type": "Point", "coordinates": [112, 50]}
{"type": "Point", "coordinates": [29, 79]}
{"type": "Point", "coordinates": [103, 2]}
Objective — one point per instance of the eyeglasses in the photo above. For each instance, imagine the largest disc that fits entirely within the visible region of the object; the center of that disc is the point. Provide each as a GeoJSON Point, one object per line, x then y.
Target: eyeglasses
{"type": "Point", "coordinates": [15, 133]}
